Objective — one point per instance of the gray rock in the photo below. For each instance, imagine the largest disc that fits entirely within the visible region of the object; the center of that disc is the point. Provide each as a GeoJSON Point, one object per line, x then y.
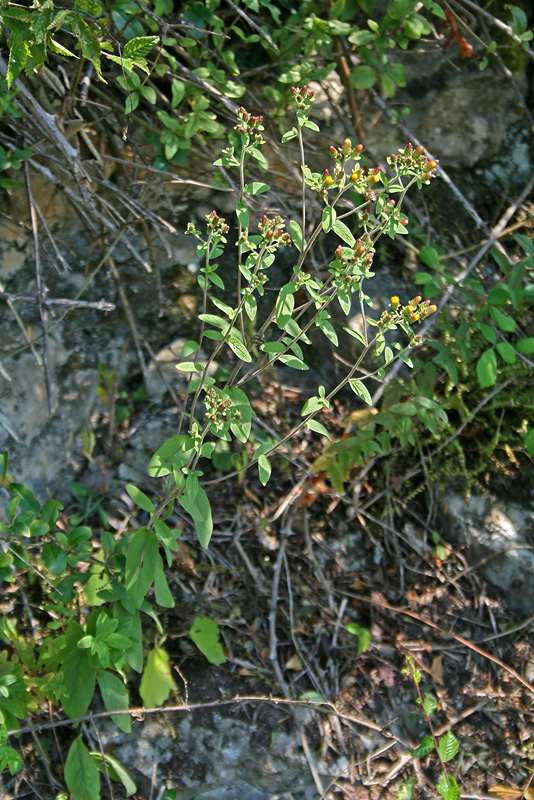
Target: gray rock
{"type": "Point", "coordinates": [499, 532]}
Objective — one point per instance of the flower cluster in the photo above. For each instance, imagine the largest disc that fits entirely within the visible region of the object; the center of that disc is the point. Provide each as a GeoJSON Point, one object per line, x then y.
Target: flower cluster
{"type": "Point", "coordinates": [414, 161]}
{"type": "Point", "coordinates": [302, 98]}
{"type": "Point", "coordinates": [250, 125]}
{"type": "Point", "coordinates": [414, 311]}
{"type": "Point", "coordinates": [216, 224]}
{"type": "Point", "coordinates": [272, 230]}
{"type": "Point", "coordinates": [346, 151]}
{"type": "Point", "coordinates": [217, 408]}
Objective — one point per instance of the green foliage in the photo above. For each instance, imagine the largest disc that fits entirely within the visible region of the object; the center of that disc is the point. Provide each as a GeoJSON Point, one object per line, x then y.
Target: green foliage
{"type": "Point", "coordinates": [491, 333]}
{"type": "Point", "coordinates": [446, 747]}
{"type": "Point", "coordinates": [205, 634]}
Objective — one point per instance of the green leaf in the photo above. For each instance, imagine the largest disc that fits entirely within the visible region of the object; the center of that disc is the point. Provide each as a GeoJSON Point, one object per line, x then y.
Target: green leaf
{"type": "Point", "coordinates": [289, 135]}
{"type": "Point", "coordinates": [487, 369]}
{"type": "Point", "coordinates": [205, 634]}
{"type": "Point", "coordinates": [313, 425]}
{"type": "Point", "coordinates": [242, 214]}
{"type": "Point", "coordinates": [506, 352]}
{"type": "Point", "coordinates": [328, 218]}
{"type": "Point", "coordinates": [361, 390]}
{"type": "Point", "coordinates": [173, 454]}
{"type": "Point", "coordinates": [157, 682]}
{"type": "Point", "coordinates": [363, 634]}
{"type": "Point", "coordinates": [264, 469]}
{"type": "Point", "coordinates": [149, 94]}
{"type": "Point", "coordinates": [256, 187]}
{"type": "Point", "coordinates": [424, 749]}
{"type": "Point", "coordinates": [503, 321]}
{"type": "Point", "coordinates": [429, 704]}
{"type": "Point", "coordinates": [189, 366]}
{"type": "Point", "coordinates": [529, 442]}
{"type": "Point", "coordinates": [407, 790]}
{"type": "Point", "coordinates": [81, 773]}
{"type": "Point", "coordinates": [363, 77]}
{"type": "Point", "coordinates": [526, 346]}
{"type": "Point", "coordinates": [448, 788]}
{"type": "Point", "coordinates": [235, 343]}
{"type": "Point", "coordinates": [78, 683]}
{"type": "Point", "coordinates": [141, 560]}
{"type": "Point", "coordinates": [429, 256]}
{"type": "Point", "coordinates": [285, 304]}
{"type": "Point", "coordinates": [200, 511]}
{"type": "Point", "coordinates": [116, 771]}
{"type": "Point", "coordinates": [448, 746]}
{"type": "Point", "coordinates": [115, 696]}
{"type": "Point", "coordinates": [163, 594]}
{"type": "Point", "coordinates": [140, 46]}
{"type": "Point", "coordinates": [296, 235]}
{"type": "Point", "coordinates": [241, 405]}
{"type": "Point", "coordinates": [140, 498]}
{"type": "Point", "coordinates": [343, 232]}
{"type": "Point", "coordinates": [293, 362]}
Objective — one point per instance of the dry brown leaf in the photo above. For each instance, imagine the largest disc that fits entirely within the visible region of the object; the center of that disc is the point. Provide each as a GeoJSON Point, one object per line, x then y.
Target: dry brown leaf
{"type": "Point", "coordinates": [294, 663]}
{"type": "Point", "coordinates": [506, 792]}
{"type": "Point", "coordinates": [436, 670]}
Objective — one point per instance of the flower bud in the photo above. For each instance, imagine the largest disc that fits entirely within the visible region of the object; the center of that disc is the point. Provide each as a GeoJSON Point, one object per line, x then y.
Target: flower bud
{"type": "Point", "coordinates": [419, 150]}
{"type": "Point", "coordinates": [347, 147]}
{"type": "Point", "coordinates": [395, 302]}
{"type": "Point", "coordinates": [329, 180]}
{"type": "Point", "coordinates": [432, 309]}
{"type": "Point", "coordinates": [359, 148]}
{"type": "Point", "coordinates": [416, 300]}
{"type": "Point", "coordinates": [432, 164]}
{"type": "Point", "coordinates": [332, 150]}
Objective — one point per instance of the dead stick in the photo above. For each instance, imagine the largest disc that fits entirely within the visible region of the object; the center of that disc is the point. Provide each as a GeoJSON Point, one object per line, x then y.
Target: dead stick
{"type": "Point", "coordinates": [43, 311]}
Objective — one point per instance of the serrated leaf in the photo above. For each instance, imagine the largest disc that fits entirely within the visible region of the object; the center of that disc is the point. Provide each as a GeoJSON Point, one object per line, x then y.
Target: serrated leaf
{"type": "Point", "coordinates": [429, 704]}
{"type": "Point", "coordinates": [448, 746]}
{"type": "Point", "coordinates": [448, 788]}
{"type": "Point", "coordinates": [157, 682]}
{"type": "Point", "coordinates": [426, 747]}
{"type": "Point", "coordinates": [81, 773]}
{"type": "Point", "coordinates": [361, 390]}
{"type": "Point", "coordinates": [205, 634]}
{"type": "Point", "coordinates": [140, 46]}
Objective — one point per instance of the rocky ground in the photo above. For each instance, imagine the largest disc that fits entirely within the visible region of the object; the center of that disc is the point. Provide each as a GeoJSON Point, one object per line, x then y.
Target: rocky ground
{"type": "Point", "coordinates": [289, 566]}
